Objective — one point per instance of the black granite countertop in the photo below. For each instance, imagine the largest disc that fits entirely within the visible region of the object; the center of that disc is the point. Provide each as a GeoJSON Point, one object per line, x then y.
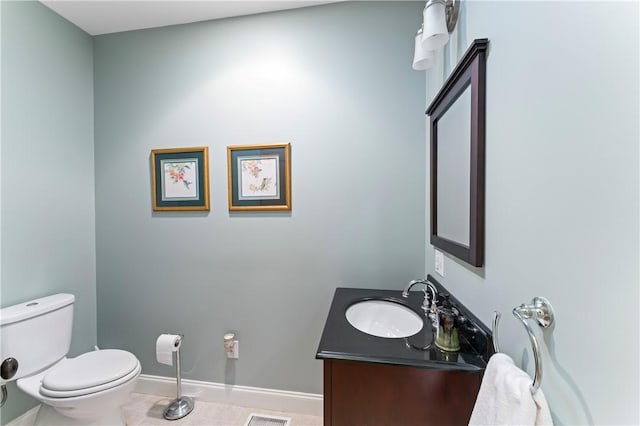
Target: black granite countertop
{"type": "Point", "coordinates": [340, 340]}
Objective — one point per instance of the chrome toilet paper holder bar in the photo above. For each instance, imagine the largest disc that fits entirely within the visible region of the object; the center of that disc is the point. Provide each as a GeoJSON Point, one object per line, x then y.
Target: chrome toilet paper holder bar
{"type": "Point", "coordinates": [182, 405]}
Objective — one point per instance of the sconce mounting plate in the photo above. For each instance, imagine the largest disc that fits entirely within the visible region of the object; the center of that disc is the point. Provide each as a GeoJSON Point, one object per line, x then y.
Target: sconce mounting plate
{"type": "Point", "coordinates": [452, 8]}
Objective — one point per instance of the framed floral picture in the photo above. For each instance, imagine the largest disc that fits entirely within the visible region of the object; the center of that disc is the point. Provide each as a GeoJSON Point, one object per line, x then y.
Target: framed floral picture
{"type": "Point", "coordinates": [259, 177]}
{"type": "Point", "coordinates": [180, 179]}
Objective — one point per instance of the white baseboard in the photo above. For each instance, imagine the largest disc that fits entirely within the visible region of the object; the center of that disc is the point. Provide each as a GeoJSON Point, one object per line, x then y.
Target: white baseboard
{"type": "Point", "coordinates": [245, 396]}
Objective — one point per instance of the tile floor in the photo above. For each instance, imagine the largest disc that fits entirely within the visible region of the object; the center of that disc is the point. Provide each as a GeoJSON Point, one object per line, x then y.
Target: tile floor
{"type": "Point", "coordinates": [147, 410]}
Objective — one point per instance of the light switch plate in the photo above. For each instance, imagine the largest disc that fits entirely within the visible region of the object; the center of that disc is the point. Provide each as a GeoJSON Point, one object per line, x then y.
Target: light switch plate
{"type": "Point", "coordinates": [439, 263]}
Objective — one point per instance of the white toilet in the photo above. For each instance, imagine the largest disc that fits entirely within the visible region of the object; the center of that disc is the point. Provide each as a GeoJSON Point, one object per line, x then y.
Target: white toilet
{"type": "Point", "coordinates": [86, 390]}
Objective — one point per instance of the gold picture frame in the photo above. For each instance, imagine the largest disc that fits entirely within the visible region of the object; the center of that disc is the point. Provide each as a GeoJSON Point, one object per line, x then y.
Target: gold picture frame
{"type": "Point", "coordinates": [180, 179]}
{"type": "Point", "coordinates": [259, 177]}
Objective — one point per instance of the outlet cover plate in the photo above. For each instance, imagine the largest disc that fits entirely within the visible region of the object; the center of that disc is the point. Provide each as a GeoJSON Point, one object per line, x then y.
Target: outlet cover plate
{"type": "Point", "coordinates": [439, 263]}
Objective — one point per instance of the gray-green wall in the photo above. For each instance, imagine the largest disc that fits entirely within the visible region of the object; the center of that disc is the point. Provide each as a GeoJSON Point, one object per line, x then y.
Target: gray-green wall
{"type": "Point", "coordinates": [48, 221]}
{"type": "Point", "coordinates": [562, 194]}
{"type": "Point", "coordinates": [334, 81]}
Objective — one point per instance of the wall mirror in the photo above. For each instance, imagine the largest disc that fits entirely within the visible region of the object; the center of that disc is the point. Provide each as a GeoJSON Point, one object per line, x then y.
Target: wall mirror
{"type": "Point", "coordinates": [457, 129]}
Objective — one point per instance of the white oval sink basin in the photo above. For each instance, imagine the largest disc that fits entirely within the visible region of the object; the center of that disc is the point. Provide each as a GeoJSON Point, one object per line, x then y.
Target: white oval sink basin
{"type": "Point", "coordinates": [384, 318]}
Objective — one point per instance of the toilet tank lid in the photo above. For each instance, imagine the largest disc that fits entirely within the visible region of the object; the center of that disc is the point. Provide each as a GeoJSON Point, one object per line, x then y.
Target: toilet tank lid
{"type": "Point", "coordinates": [34, 308]}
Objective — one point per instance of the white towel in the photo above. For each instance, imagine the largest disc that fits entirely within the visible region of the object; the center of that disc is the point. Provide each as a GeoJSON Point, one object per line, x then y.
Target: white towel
{"type": "Point", "coordinates": [505, 397]}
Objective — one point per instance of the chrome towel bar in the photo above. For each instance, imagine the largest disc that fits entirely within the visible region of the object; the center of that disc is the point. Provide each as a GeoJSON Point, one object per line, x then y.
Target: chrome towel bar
{"type": "Point", "coordinates": [539, 309]}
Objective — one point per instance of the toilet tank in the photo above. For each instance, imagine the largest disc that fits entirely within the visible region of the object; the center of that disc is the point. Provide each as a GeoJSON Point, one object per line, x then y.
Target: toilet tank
{"type": "Point", "coordinates": [37, 333]}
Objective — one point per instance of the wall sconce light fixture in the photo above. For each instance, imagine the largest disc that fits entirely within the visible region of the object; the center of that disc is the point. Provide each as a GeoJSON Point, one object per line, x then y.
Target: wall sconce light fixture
{"type": "Point", "coordinates": [422, 58]}
{"type": "Point", "coordinates": [439, 20]}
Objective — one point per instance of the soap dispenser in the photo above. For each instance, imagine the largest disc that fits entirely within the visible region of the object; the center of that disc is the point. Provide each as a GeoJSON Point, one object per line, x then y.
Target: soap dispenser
{"type": "Point", "coordinates": [447, 334]}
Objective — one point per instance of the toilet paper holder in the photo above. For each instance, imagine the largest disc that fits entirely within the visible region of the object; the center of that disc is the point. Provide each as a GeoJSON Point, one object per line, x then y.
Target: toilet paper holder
{"type": "Point", "coordinates": [182, 405]}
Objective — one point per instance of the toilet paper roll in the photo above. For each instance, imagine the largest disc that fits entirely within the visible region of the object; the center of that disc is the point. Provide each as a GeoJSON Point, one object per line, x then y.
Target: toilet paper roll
{"type": "Point", "coordinates": [166, 345]}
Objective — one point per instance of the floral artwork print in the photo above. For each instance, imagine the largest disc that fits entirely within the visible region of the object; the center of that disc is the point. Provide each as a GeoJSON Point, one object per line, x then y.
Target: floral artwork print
{"type": "Point", "coordinates": [252, 167]}
{"type": "Point", "coordinates": [180, 179]}
{"type": "Point", "coordinates": [265, 185]}
{"type": "Point", "coordinates": [177, 172]}
{"type": "Point", "coordinates": [259, 177]}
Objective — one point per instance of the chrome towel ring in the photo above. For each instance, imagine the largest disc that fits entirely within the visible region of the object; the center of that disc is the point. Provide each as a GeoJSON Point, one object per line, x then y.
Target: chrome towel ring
{"type": "Point", "coordinates": [539, 309]}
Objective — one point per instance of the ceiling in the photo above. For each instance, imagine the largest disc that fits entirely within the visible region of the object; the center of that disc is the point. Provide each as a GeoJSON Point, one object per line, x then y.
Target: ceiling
{"type": "Point", "coordinates": [111, 16]}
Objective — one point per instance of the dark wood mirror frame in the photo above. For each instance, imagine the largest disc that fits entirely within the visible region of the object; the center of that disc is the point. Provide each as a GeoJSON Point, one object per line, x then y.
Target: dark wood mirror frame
{"type": "Point", "coordinates": [471, 71]}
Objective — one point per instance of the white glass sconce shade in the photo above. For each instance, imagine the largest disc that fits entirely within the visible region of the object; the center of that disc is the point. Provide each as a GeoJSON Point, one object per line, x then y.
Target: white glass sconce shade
{"type": "Point", "coordinates": [422, 58]}
{"type": "Point", "coordinates": [435, 33]}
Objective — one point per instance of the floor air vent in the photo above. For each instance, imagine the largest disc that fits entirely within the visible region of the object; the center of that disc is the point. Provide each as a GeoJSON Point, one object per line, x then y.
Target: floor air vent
{"type": "Point", "coordinates": [266, 420]}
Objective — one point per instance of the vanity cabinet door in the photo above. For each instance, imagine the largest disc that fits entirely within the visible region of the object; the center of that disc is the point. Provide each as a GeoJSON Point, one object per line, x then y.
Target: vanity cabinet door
{"type": "Point", "coordinates": [368, 394]}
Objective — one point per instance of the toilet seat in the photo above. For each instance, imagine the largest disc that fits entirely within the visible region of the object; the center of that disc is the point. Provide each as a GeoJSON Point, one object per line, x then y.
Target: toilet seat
{"type": "Point", "coordinates": [89, 373]}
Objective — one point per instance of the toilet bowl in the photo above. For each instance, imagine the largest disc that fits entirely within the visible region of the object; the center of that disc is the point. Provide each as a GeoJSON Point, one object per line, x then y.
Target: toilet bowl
{"type": "Point", "coordinates": [89, 388]}
{"type": "Point", "coordinates": [86, 390]}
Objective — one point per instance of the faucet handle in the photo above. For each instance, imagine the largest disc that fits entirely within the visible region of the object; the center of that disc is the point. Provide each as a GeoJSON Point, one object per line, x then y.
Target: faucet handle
{"type": "Point", "coordinates": [426, 306]}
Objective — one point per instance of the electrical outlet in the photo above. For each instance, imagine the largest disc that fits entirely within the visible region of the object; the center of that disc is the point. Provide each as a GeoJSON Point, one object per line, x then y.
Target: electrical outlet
{"type": "Point", "coordinates": [231, 346]}
{"type": "Point", "coordinates": [439, 263]}
{"type": "Point", "coordinates": [233, 351]}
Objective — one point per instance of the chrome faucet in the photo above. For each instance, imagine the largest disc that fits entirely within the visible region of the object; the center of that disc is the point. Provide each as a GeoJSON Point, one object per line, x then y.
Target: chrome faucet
{"type": "Point", "coordinates": [426, 306]}
{"type": "Point", "coordinates": [405, 292]}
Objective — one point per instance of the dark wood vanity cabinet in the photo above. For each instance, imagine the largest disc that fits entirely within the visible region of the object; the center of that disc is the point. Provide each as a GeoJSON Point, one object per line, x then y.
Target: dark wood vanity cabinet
{"type": "Point", "coordinates": [376, 381]}
{"type": "Point", "coordinates": [372, 394]}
